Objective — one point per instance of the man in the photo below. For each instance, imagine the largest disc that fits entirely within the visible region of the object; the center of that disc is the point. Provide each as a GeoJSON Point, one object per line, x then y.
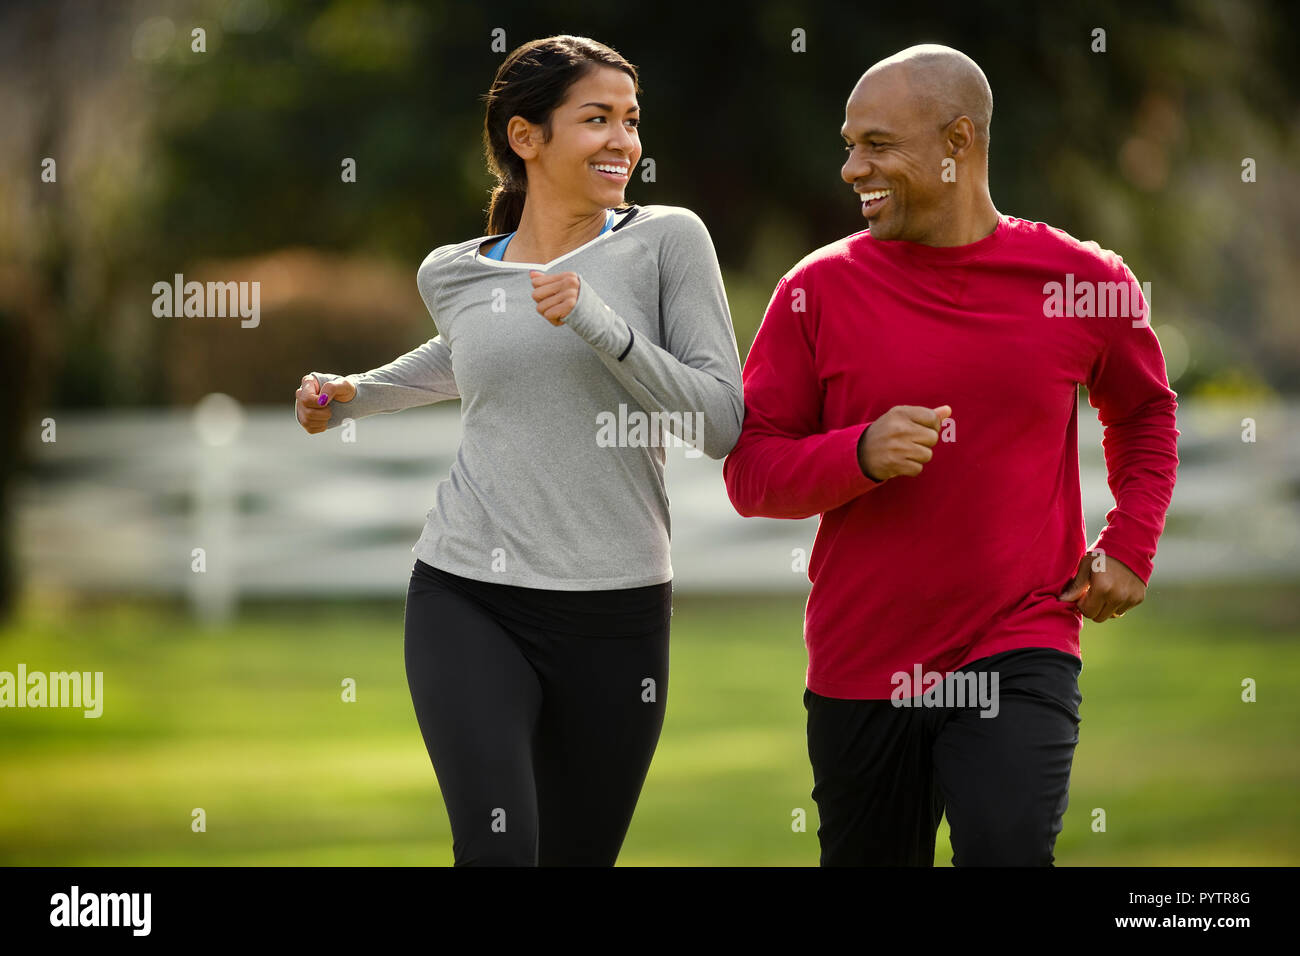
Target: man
{"type": "Point", "coordinates": [916, 385]}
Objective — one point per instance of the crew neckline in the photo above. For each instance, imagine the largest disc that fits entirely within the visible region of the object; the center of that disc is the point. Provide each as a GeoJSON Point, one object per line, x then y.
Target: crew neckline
{"type": "Point", "coordinates": [610, 216]}
{"type": "Point", "coordinates": [971, 250]}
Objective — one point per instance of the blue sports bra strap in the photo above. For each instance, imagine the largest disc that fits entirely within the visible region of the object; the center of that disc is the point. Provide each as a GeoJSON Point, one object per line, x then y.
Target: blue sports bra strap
{"type": "Point", "coordinates": [499, 250]}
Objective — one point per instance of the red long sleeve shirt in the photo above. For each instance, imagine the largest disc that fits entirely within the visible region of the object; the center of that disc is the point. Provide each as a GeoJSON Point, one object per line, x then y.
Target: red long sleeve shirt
{"type": "Point", "coordinates": [966, 559]}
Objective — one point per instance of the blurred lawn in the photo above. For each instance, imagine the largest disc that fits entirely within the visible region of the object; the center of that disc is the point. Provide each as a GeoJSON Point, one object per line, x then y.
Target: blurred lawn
{"type": "Point", "coordinates": [248, 724]}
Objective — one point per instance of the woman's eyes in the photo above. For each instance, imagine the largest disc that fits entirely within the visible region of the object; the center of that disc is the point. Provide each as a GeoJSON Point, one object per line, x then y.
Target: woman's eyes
{"type": "Point", "coordinates": [634, 121]}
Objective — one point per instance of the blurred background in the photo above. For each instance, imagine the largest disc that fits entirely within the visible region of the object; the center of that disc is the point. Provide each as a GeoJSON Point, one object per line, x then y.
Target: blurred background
{"type": "Point", "coordinates": [134, 149]}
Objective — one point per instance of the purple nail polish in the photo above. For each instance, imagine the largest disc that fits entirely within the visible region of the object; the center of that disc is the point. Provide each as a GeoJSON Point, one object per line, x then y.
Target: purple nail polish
{"type": "Point", "coordinates": [322, 400]}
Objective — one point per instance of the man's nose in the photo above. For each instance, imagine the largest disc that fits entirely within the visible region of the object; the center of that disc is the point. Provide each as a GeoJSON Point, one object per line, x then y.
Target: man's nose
{"type": "Point", "coordinates": [854, 169]}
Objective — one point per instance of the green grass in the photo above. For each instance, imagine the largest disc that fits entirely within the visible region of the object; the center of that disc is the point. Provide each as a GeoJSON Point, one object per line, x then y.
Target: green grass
{"type": "Point", "coordinates": [248, 724]}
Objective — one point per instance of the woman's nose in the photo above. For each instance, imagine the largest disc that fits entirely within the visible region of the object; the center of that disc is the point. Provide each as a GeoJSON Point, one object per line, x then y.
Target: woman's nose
{"type": "Point", "coordinates": [625, 140]}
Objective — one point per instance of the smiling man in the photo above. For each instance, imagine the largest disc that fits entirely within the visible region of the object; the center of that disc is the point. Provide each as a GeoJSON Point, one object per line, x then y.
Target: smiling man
{"type": "Point", "coordinates": [913, 385]}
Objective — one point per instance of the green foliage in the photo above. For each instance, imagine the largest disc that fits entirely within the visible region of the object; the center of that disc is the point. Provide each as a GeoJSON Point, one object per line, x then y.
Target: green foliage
{"type": "Point", "coordinates": [1139, 147]}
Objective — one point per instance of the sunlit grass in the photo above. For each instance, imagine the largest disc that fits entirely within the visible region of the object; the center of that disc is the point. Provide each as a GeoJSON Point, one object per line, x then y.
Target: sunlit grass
{"type": "Point", "coordinates": [248, 724]}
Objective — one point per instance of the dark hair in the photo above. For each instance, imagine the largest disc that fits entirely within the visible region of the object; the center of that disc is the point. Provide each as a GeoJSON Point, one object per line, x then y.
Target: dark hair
{"type": "Point", "coordinates": [531, 82]}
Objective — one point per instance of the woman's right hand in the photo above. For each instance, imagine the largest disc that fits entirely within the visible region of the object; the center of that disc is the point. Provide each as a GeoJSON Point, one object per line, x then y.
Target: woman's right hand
{"type": "Point", "coordinates": [312, 415]}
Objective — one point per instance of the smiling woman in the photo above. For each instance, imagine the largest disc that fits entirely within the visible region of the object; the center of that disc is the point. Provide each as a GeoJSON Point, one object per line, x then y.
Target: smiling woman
{"type": "Point", "coordinates": [539, 606]}
{"type": "Point", "coordinates": [569, 132]}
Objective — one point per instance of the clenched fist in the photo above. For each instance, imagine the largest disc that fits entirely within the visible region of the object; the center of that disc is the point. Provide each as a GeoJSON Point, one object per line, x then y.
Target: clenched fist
{"type": "Point", "coordinates": [899, 441]}
{"type": "Point", "coordinates": [1103, 589]}
{"type": "Point", "coordinates": [555, 295]}
{"type": "Point", "coordinates": [313, 415]}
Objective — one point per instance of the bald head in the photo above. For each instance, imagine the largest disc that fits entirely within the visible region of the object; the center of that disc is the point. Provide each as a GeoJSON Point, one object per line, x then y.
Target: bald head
{"type": "Point", "coordinates": [943, 82]}
{"type": "Point", "coordinates": [916, 131]}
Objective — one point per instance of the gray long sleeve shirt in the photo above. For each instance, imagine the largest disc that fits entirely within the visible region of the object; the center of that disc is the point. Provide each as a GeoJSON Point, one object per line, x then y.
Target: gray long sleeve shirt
{"type": "Point", "coordinates": [559, 478]}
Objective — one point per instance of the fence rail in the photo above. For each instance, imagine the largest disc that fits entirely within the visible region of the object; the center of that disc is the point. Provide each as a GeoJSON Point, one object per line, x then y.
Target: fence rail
{"type": "Point", "coordinates": [120, 501]}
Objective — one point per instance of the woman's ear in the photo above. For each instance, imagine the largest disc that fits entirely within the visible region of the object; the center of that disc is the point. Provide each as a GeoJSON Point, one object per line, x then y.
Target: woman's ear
{"type": "Point", "coordinates": [522, 137]}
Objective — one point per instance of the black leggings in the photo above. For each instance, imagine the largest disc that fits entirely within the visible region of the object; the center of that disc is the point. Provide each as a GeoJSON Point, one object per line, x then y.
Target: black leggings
{"type": "Point", "coordinates": [540, 709]}
{"type": "Point", "coordinates": [883, 776]}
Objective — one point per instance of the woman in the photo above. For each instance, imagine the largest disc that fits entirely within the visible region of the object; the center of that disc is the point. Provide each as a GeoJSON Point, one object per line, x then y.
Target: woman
{"type": "Point", "coordinates": [537, 616]}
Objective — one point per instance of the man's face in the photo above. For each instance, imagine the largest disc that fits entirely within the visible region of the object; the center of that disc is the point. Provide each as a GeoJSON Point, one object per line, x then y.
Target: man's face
{"type": "Point", "coordinates": [595, 126]}
{"type": "Point", "coordinates": [896, 146]}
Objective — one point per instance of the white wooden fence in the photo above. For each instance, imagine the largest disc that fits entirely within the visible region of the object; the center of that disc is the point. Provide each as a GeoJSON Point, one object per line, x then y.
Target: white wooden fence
{"type": "Point", "coordinates": [119, 501]}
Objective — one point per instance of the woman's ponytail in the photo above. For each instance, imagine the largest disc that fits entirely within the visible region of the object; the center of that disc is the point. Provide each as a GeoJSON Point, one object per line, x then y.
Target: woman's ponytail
{"type": "Point", "coordinates": [506, 207]}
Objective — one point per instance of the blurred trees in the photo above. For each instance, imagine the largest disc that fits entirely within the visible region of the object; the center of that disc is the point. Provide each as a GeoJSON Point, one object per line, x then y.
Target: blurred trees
{"type": "Point", "coordinates": [240, 148]}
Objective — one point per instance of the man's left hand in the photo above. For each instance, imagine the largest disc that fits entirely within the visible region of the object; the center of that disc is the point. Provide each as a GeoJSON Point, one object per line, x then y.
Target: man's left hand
{"type": "Point", "coordinates": [1101, 595]}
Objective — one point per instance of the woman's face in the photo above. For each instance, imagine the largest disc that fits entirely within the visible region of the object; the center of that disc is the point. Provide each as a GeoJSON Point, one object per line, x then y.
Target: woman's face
{"type": "Point", "coordinates": [594, 145]}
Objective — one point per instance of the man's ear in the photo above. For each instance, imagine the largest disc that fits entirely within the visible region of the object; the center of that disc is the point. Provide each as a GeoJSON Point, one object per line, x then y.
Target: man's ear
{"type": "Point", "coordinates": [961, 136]}
{"type": "Point", "coordinates": [522, 137]}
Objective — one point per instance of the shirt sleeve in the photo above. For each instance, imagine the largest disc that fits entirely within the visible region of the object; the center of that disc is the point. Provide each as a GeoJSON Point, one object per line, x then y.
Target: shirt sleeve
{"type": "Point", "coordinates": [422, 376]}
{"type": "Point", "coordinates": [695, 377]}
{"type": "Point", "coordinates": [1128, 386]}
{"type": "Point", "coordinates": [784, 464]}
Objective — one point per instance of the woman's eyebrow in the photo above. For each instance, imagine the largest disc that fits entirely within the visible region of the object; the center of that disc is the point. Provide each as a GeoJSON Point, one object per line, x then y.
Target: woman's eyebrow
{"type": "Point", "coordinates": [608, 108]}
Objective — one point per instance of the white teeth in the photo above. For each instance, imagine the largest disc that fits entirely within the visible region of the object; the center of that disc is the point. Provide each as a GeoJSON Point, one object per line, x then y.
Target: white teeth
{"type": "Point", "coordinates": [876, 194]}
{"type": "Point", "coordinates": [610, 168]}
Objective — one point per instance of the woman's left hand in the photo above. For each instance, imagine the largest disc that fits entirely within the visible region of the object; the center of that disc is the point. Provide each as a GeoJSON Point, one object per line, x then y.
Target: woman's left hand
{"type": "Point", "coordinates": [555, 295]}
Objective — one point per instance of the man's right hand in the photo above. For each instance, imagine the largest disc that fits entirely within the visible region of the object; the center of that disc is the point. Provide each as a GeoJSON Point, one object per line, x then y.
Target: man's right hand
{"type": "Point", "coordinates": [313, 416]}
{"type": "Point", "coordinates": [899, 441]}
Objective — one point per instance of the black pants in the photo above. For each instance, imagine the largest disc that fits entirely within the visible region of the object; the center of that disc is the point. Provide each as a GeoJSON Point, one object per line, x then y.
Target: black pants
{"type": "Point", "coordinates": [884, 775]}
{"type": "Point", "coordinates": [540, 709]}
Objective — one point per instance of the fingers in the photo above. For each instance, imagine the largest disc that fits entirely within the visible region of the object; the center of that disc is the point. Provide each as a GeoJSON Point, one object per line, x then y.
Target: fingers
{"type": "Point", "coordinates": [555, 307]}
{"type": "Point", "coordinates": [311, 416]}
{"type": "Point", "coordinates": [544, 280]}
{"type": "Point", "coordinates": [900, 441]}
{"type": "Point", "coordinates": [1074, 590]}
{"type": "Point", "coordinates": [923, 436]}
{"type": "Point", "coordinates": [931, 419]}
{"type": "Point", "coordinates": [1101, 606]}
{"type": "Point", "coordinates": [1120, 606]}
{"type": "Point", "coordinates": [1100, 601]}
{"type": "Point", "coordinates": [555, 295]}
{"type": "Point", "coordinates": [307, 394]}
{"type": "Point", "coordinates": [923, 416]}
{"type": "Point", "coordinates": [923, 432]}
{"type": "Point", "coordinates": [1105, 611]}
{"type": "Point", "coordinates": [918, 452]}
{"type": "Point", "coordinates": [921, 439]}
{"type": "Point", "coordinates": [1100, 595]}
{"type": "Point", "coordinates": [1090, 604]}
{"type": "Point", "coordinates": [545, 284]}
{"type": "Point", "coordinates": [1129, 604]}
